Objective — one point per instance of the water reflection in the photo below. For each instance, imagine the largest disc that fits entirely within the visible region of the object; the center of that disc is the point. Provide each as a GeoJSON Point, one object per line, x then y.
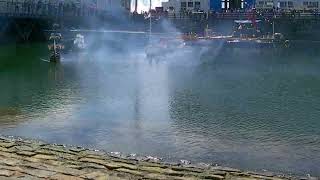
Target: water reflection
{"type": "Point", "coordinates": [55, 72]}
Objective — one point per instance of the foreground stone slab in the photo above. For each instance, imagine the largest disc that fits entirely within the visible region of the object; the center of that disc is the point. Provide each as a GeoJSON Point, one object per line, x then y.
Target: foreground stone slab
{"type": "Point", "coordinates": [26, 159]}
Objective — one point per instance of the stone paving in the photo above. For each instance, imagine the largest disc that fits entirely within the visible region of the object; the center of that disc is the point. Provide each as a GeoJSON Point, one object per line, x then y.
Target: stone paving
{"type": "Point", "coordinates": [32, 160]}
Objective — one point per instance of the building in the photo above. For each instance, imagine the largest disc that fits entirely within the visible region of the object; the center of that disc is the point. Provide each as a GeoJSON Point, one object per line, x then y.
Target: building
{"type": "Point", "coordinates": [102, 5]}
{"type": "Point", "coordinates": [109, 5]}
{"type": "Point", "coordinates": [141, 6]}
{"type": "Point", "coordinates": [221, 5]}
{"type": "Point", "coordinates": [288, 4]}
{"type": "Point", "coordinates": [126, 4]}
{"type": "Point", "coordinates": [177, 6]}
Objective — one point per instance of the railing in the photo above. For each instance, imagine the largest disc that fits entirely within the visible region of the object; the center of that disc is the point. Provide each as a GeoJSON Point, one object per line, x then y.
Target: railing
{"type": "Point", "coordinates": [250, 15]}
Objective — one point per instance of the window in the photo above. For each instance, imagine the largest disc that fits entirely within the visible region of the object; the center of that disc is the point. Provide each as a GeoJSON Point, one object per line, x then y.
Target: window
{"type": "Point", "coordinates": [190, 4]}
{"type": "Point", "coordinates": [290, 4]}
{"type": "Point", "coordinates": [223, 5]}
{"type": "Point", "coordinates": [269, 4]}
{"type": "Point", "coordinates": [283, 4]}
{"type": "Point", "coordinates": [311, 4]}
{"type": "Point", "coordinates": [314, 4]}
{"type": "Point", "coordinates": [261, 3]}
{"type": "Point", "coordinates": [183, 4]}
{"type": "Point", "coordinates": [197, 5]}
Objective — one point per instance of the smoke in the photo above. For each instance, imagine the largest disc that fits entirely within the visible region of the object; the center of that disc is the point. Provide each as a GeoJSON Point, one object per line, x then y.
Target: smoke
{"type": "Point", "coordinates": [117, 38]}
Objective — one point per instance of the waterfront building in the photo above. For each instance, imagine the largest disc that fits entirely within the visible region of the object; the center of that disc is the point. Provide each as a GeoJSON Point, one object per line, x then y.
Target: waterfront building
{"type": "Point", "coordinates": [288, 4]}
{"type": "Point", "coordinates": [142, 6]}
{"type": "Point", "coordinates": [178, 6]}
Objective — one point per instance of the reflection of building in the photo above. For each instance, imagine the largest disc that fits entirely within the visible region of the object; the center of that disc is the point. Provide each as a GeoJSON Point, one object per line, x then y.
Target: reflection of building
{"type": "Point", "coordinates": [186, 5]}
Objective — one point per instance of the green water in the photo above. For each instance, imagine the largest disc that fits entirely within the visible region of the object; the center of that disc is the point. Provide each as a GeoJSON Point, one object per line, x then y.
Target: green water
{"type": "Point", "coordinates": [252, 113]}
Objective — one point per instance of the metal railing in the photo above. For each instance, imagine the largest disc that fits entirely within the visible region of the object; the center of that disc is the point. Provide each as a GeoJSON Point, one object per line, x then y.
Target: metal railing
{"type": "Point", "coordinates": [267, 15]}
{"type": "Point", "coordinates": [250, 15]}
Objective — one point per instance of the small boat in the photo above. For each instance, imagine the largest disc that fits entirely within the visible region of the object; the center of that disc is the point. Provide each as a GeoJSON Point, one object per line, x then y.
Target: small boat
{"type": "Point", "coordinates": [79, 43]}
{"type": "Point", "coordinates": [55, 47]}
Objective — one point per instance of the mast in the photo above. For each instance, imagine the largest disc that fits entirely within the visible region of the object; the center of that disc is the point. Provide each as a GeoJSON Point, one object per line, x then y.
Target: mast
{"type": "Point", "coordinates": [273, 28]}
{"type": "Point", "coordinates": [273, 25]}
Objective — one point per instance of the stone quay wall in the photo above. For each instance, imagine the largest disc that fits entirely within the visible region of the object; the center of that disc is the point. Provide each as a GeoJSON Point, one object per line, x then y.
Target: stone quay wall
{"type": "Point", "coordinates": [29, 159]}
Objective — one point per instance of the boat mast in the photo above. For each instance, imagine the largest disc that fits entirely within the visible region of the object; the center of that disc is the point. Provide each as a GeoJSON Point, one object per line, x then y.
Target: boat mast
{"type": "Point", "coordinates": [273, 26]}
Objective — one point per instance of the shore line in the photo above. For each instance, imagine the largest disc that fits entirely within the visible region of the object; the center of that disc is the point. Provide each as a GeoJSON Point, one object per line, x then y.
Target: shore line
{"type": "Point", "coordinates": [33, 159]}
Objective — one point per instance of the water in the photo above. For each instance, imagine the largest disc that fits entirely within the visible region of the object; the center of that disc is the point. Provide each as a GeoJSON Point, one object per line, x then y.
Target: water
{"type": "Point", "coordinates": [252, 114]}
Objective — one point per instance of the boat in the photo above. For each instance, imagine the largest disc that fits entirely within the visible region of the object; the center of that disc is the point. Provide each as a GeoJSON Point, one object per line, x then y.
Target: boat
{"type": "Point", "coordinates": [248, 35]}
{"type": "Point", "coordinates": [55, 47]}
{"type": "Point", "coordinates": [248, 38]}
{"type": "Point", "coordinates": [79, 43]}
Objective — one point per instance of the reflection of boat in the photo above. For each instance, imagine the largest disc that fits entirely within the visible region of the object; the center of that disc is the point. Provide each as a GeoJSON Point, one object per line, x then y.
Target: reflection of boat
{"type": "Point", "coordinates": [55, 48]}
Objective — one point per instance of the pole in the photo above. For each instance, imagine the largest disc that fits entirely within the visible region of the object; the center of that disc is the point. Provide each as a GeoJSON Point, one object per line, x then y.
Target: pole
{"type": "Point", "coordinates": [273, 28]}
{"type": "Point", "coordinates": [136, 6]}
{"type": "Point", "coordinates": [273, 22]}
{"type": "Point", "coordinates": [150, 23]}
